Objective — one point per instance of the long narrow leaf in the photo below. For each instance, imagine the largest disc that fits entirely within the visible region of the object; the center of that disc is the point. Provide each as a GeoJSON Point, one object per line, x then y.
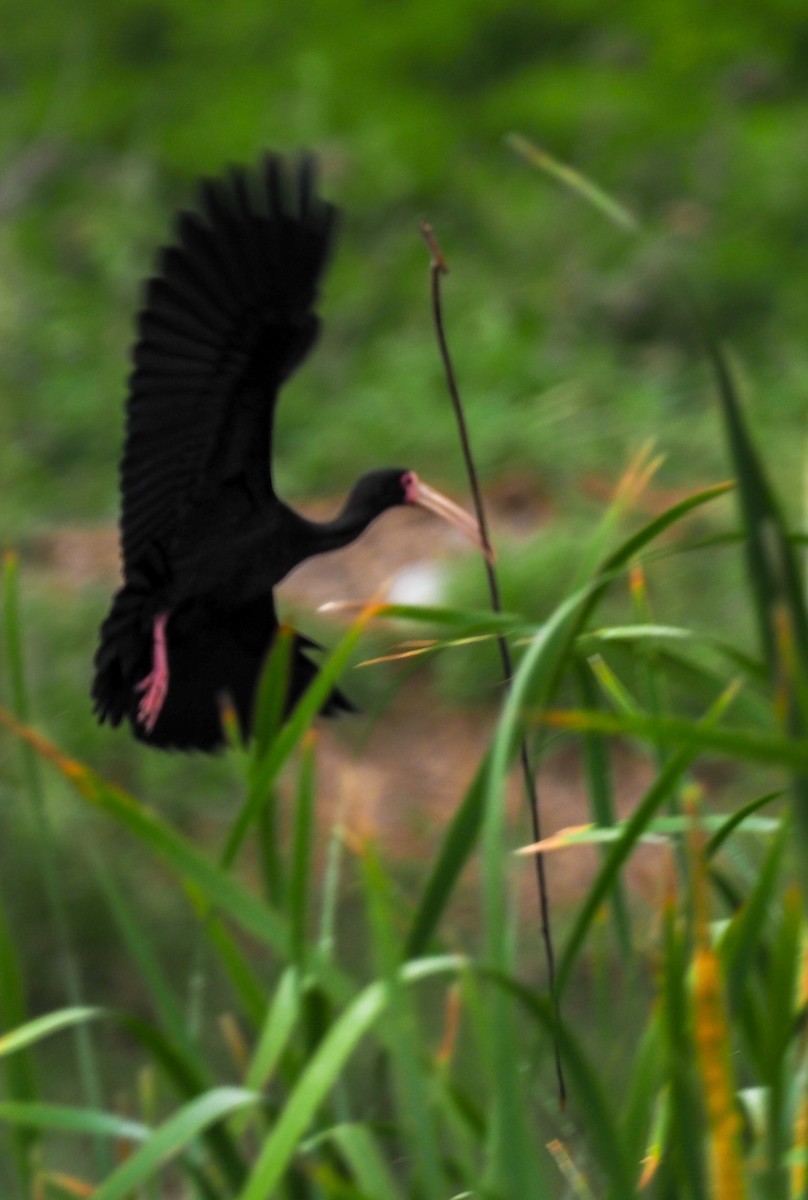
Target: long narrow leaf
{"type": "Point", "coordinates": [20, 1075]}
{"type": "Point", "coordinates": [730, 741]}
{"type": "Point", "coordinates": [321, 1073]}
{"type": "Point", "coordinates": [358, 1146]}
{"type": "Point", "coordinates": [266, 766]}
{"type": "Point", "coordinates": [179, 854]}
{"type": "Point", "coordinates": [74, 1120]}
{"type": "Point", "coordinates": [172, 1138]}
{"type": "Point", "coordinates": [41, 1027]}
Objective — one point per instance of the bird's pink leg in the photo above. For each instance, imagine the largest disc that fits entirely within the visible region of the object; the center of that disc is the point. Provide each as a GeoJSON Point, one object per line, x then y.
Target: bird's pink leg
{"type": "Point", "coordinates": [155, 686]}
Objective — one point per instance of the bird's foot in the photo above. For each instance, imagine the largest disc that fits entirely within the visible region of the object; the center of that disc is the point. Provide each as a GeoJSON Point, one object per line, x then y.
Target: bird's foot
{"type": "Point", "coordinates": [154, 687]}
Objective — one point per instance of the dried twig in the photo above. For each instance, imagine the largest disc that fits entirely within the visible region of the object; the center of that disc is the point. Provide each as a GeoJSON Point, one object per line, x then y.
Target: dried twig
{"type": "Point", "coordinates": [437, 268]}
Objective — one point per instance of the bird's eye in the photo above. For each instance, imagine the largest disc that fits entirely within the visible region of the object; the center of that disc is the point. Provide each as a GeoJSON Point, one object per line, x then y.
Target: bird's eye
{"type": "Point", "coordinates": [409, 484]}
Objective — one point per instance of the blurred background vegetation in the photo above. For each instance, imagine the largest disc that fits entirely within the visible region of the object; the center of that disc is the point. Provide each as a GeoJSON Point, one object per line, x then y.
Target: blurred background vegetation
{"type": "Point", "coordinates": [570, 339]}
{"type": "Point", "coordinates": [569, 345]}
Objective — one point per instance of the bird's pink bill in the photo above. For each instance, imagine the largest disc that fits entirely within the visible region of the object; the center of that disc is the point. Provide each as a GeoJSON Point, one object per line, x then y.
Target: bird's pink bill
{"type": "Point", "coordinates": [420, 493]}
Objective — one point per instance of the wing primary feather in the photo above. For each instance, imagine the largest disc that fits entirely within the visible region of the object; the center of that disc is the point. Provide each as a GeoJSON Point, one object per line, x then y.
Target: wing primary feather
{"type": "Point", "coordinates": [227, 316]}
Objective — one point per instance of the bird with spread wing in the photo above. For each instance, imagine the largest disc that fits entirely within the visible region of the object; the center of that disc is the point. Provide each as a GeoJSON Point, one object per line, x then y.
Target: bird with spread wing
{"type": "Point", "coordinates": [228, 316]}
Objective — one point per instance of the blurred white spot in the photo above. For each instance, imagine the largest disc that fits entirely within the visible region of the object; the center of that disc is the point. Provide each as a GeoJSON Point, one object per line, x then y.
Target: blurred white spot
{"type": "Point", "coordinates": [418, 583]}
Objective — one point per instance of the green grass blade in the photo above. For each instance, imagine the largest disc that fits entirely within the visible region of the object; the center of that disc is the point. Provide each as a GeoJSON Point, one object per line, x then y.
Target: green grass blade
{"type": "Point", "coordinates": [188, 1082]}
{"type": "Point", "coordinates": [655, 797]}
{"type": "Point", "coordinates": [271, 699]}
{"type": "Point", "coordinates": [247, 985]}
{"type": "Point", "coordinates": [781, 991]}
{"type": "Point", "coordinates": [643, 1089]}
{"type": "Point", "coordinates": [684, 1154]}
{"type": "Point", "coordinates": [553, 639]}
{"type": "Point", "coordinates": [44, 843]}
{"type": "Point", "coordinates": [734, 742]}
{"type": "Point", "coordinates": [660, 829]}
{"type": "Point", "coordinates": [269, 714]}
{"type": "Point", "coordinates": [300, 872]}
{"type": "Point", "coordinates": [741, 943]}
{"type": "Point", "coordinates": [456, 849]}
{"type": "Point", "coordinates": [601, 798]}
{"type": "Point", "coordinates": [266, 766]}
{"type": "Point", "coordinates": [180, 855]}
{"type": "Point", "coordinates": [321, 1073]}
{"type": "Point", "coordinates": [20, 1074]}
{"type": "Point", "coordinates": [95, 1122]}
{"type": "Point", "coordinates": [587, 1094]}
{"type": "Point", "coordinates": [671, 637]}
{"type": "Point", "coordinates": [512, 1165]}
{"type": "Point", "coordinates": [35, 1030]}
{"type": "Point", "coordinates": [173, 1137]}
{"type": "Point", "coordinates": [166, 1005]}
{"type": "Point", "coordinates": [359, 1147]}
{"type": "Point", "coordinates": [741, 819]}
{"type": "Point", "coordinates": [283, 1014]}
{"type": "Point", "coordinates": [773, 574]}
{"type": "Point", "coordinates": [461, 622]}
{"type": "Point", "coordinates": [401, 1035]}
{"type": "Point", "coordinates": [775, 579]}
{"type": "Point", "coordinates": [329, 904]}
{"type": "Point", "coordinates": [577, 183]}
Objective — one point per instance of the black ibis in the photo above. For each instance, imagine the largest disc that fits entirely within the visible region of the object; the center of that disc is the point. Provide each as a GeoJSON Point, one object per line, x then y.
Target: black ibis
{"type": "Point", "coordinates": [227, 317]}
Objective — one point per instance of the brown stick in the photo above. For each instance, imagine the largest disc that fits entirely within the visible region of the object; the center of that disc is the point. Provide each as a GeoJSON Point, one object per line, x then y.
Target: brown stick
{"type": "Point", "coordinates": [438, 267]}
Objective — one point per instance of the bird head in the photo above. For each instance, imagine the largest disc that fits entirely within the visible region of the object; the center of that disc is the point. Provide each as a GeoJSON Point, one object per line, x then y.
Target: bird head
{"type": "Point", "coordinates": [379, 490]}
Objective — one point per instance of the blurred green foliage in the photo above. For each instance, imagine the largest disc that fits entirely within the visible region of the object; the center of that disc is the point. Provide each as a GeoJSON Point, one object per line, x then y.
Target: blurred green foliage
{"type": "Point", "coordinates": [695, 117]}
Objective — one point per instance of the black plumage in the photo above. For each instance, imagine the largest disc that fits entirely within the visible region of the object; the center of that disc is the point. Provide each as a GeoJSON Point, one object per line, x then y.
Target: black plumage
{"type": "Point", "coordinates": [204, 538]}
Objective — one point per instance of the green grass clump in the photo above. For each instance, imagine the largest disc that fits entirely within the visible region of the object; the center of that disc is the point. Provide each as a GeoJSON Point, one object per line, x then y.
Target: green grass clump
{"type": "Point", "coordinates": [290, 1055]}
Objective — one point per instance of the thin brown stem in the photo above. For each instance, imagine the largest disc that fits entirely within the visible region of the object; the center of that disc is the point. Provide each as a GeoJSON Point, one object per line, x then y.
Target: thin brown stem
{"type": "Point", "coordinates": [437, 268]}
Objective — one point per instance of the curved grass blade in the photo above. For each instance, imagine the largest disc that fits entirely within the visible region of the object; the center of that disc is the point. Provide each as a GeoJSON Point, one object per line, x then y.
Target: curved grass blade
{"type": "Point", "coordinates": [601, 793]}
{"type": "Point", "coordinates": [742, 819]}
{"type": "Point", "coordinates": [41, 1027]}
{"type": "Point", "coordinates": [95, 1122]}
{"type": "Point", "coordinates": [656, 796]}
{"type": "Point", "coordinates": [322, 1072]}
{"type": "Point", "coordinates": [265, 767]}
{"type": "Point", "coordinates": [660, 829]}
{"type": "Point", "coordinates": [359, 1148]}
{"type": "Point", "coordinates": [456, 849]}
{"type": "Point", "coordinates": [685, 1143]}
{"type": "Point", "coordinates": [776, 581]}
{"type": "Point", "coordinates": [741, 942]}
{"type": "Point", "coordinates": [180, 855]}
{"type": "Point", "coordinates": [464, 829]}
{"type": "Point", "coordinates": [173, 1137]}
{"type": "Point", "coordinates": [282, 1016]}
{"type": "Point", "coordinates": [731, 741]}
{"type": "Point", "coordinates": [189, 1080]}
{"type": "Point", "coordinates": [575, 181]}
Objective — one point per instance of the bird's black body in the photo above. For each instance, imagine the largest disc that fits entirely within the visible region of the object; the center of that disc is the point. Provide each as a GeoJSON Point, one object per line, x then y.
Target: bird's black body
{"type": "Point", "coordinates": [204, 538]}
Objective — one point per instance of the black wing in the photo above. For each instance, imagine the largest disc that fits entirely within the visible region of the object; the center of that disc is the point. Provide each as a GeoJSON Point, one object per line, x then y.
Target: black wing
{"type": "Point", "coordinates": [226, 320]}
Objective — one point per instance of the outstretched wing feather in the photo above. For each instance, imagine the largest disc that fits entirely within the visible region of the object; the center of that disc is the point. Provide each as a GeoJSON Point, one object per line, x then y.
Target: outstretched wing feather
{"type": "Point", "coordinates": [230, 312]}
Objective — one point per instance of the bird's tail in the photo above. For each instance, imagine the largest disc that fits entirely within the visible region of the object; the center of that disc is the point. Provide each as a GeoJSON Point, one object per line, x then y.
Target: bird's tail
{"type": "Point", "coordinates": [214, 656]}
